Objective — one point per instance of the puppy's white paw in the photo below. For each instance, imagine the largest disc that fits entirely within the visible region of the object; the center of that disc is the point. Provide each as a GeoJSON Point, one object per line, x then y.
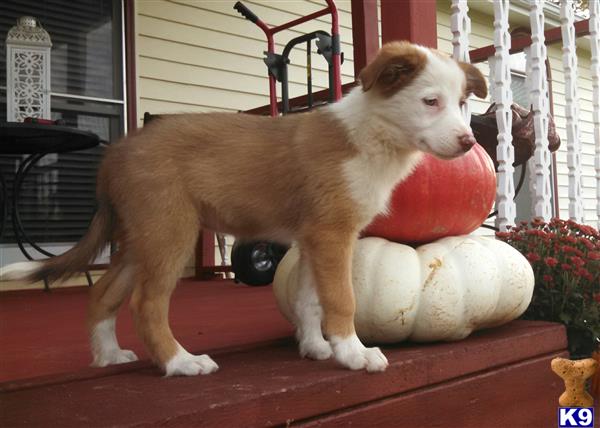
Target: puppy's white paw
{"type": "Point", "coordinates": [114, 356]}
{"type": "Point", "coordinates": [351, 353]}
{"type": "Point", "coordinates": [186, 364]}
{"type": "Point", "coordinates": [315, 349]}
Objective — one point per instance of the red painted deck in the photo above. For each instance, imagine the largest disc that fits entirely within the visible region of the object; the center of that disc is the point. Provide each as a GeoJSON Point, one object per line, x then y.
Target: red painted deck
{"type": "Point", "coordinates": [500, 377]}
{"type": "Point", "coordinates": [45, 333]}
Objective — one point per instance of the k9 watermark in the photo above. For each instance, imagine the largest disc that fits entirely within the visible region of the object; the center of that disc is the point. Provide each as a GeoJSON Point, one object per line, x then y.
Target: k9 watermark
{"type": "Point", "coordinates": [572, 417]}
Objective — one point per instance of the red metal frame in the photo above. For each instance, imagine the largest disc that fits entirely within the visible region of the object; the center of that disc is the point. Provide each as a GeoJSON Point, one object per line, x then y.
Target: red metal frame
{"type": "Point", "coordinates": [335, 33]}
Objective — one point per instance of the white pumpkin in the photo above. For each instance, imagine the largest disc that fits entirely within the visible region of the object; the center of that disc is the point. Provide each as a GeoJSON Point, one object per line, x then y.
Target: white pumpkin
{"type": "Point", "coordinates": [438, 291]}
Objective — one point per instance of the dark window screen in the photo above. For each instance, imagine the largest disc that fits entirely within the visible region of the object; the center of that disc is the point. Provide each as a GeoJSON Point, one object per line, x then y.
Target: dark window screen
{"type": "Point", "coordinates": [58, 197]}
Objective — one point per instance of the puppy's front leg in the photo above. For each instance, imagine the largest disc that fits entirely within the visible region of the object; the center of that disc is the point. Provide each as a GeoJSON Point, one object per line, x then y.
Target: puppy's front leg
{"type": "Point", "coordinates": [330, 256]}
{"type": "Point", "coordinates": [309, 314]}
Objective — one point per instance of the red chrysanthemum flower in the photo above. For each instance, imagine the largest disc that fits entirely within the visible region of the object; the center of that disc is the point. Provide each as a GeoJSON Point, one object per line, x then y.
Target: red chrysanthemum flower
{"type": "Point", "coordinates": [587, 243]}
{"type": "Point", "coordinates": [570, 239]}
{"type": "Point", "coordinates": [594, 255]}
{"type": "Point", "coordinates": [582, 272]}
{"type": "Point", "coordinates": [577, 261]}
{"type": "Point", "coordinates": [538, 221]}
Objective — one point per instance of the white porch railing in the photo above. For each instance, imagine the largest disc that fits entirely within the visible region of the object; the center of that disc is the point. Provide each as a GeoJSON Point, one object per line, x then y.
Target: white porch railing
{"type": "Point", "coordinates": [572, 110]}
{"type": "Point", "coordinates": [500, 90]}
{"type": "Point", "coordinates": [541, 188]}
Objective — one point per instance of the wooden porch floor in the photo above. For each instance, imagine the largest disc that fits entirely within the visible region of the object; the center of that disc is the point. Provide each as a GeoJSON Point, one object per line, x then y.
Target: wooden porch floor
{"type": "Point", "coordinates": [500, 376]}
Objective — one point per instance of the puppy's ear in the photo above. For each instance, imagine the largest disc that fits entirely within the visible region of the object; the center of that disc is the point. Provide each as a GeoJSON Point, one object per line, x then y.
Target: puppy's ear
{"type": "Point", "coordinates": [394, 67]}
{"type": "Point", "coordinates": [475, 80]}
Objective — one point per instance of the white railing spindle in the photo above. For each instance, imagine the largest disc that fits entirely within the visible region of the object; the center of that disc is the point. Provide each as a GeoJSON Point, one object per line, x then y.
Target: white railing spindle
{"type": "Point", "coordinates": [460, 25]}
{"type": "Point", "coordinates": [503, 97]}
{"type": "Point", "coordinates": [595, 46]}
{"type": "Point", "coordinates": [492, 79]}
{"type": "Point", "coordinates": [537, 52]}
{"type": "Point", "coordinates": [571, 110]}
{"type": "Point", "coordinates": [531, 160]}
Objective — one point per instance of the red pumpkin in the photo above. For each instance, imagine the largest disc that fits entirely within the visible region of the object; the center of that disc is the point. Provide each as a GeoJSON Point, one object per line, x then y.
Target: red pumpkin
{"type": "Point", "coordinates": [441, 198]}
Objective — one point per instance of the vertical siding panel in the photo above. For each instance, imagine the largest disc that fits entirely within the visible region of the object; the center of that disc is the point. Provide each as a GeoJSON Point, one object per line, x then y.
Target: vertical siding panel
{"type": "Point", "coordinates": [595, 71]}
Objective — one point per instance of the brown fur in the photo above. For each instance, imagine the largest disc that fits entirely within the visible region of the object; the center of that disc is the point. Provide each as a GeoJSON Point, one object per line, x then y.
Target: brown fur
{"type": "Point", "coordinates": [394, 67]}
{"type": "Point", "coordinates": [475, 80]}
{"type": "Point", "coordinates": [283, 181]}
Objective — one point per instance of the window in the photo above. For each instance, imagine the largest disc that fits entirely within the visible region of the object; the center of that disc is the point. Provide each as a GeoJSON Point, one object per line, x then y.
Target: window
{"type": "Point", "coordinates": [58, 197]}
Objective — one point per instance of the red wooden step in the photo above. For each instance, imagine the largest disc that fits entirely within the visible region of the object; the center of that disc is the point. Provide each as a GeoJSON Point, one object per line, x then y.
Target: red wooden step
{"type": "Point", "coordinates": [499, 377]}
{"type": "Point", "coordinates": [45, 333]}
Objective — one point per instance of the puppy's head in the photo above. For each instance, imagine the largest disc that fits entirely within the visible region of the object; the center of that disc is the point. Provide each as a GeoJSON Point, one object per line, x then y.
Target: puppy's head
{"type": "Point", "coordinates": [419, 92]}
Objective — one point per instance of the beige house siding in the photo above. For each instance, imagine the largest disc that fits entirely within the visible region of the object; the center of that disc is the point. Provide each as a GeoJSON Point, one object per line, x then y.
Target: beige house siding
{"type": "Point", "coordinates": [203, 56]}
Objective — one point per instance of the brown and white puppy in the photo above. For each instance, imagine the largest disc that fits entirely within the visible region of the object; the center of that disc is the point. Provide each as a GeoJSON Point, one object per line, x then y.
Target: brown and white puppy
{"type": "Point", "coordinates": [315, 178]}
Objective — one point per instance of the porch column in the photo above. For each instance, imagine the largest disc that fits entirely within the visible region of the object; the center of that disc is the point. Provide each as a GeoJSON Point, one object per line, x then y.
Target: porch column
{"type": "Point", "coordinates": [365, 33]}
{"type": "Point", "coordinates": [412, 20]}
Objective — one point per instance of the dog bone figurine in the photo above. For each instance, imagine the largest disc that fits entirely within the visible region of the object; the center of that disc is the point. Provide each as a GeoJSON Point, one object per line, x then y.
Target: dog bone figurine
{"type": "Point", "coordinates": [574, 374]}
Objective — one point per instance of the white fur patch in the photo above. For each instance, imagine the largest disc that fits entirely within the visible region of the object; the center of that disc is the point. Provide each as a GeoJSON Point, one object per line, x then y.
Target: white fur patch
{"type": "Point", "coordinates": [105, 347]}
{"type": "Point", "coordinates": [372, 178]}
{"type": "Point", "coordinates": [351, 353]}
{"type": "Point", "coordinates": [17, 271]}
{"type": "Point", "coordinates": [309, 313]}
{"type": "Point", "coordinates": [186, 364]}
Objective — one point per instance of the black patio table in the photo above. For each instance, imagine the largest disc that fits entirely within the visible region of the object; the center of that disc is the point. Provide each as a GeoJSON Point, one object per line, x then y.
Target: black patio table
{"type": "Point", "coordinates": [35, 140]}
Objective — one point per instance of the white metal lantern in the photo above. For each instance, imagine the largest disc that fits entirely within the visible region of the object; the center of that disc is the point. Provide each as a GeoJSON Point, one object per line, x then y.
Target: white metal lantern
{"type": "Point", "coordinates": [27, 70]}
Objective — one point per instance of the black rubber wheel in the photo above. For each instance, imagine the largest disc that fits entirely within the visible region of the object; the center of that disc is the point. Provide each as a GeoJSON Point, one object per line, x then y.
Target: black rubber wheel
{"type": "Point", "coordinates": [254, 262]}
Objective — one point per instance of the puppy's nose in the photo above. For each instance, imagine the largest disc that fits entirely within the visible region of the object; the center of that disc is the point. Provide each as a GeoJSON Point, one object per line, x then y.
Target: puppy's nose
{"type": "Point", "coordinates": [466, 141]}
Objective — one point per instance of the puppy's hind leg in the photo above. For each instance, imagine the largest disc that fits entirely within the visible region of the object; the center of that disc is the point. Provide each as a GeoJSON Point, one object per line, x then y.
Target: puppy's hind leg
{"type": "Point", "coordinates": [309, 314]}
{"type": "Point", "coordinates": [106, 296]}
{"type": "Point", "coordinates": [162, 245]}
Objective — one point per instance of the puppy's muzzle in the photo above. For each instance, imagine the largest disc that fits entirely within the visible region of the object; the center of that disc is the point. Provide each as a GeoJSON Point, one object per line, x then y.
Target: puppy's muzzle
{"type": "Point", "coordinates": [466, 142]}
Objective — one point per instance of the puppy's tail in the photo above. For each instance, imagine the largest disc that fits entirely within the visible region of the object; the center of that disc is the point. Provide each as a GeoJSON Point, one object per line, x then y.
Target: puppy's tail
{"type": "Point", "coordinates": [74, 260]}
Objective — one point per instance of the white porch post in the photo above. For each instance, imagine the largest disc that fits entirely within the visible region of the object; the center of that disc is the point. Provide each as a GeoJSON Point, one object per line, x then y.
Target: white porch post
{"type": "Point", "coordinates": [541, 160]}
{"type": "Point", "coordinates": [595, 45]}
{"type": "Point", "coordinates": [571, 111]}
{"type": "Point", "coordinates": [461, 28]}
{"type": "Point", "coordinates": [503, 98]}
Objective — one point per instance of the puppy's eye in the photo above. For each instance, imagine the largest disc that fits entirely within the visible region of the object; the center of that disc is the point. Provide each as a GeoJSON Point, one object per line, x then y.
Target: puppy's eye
{"type": "Point", "coordinates": [462, 103]}
{"type": "Point", "coordinates": [432, 102]}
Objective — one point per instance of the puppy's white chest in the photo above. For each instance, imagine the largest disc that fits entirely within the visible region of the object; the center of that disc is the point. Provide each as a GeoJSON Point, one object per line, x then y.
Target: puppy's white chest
{"type": "Point", "coordinates": [371, 181]}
